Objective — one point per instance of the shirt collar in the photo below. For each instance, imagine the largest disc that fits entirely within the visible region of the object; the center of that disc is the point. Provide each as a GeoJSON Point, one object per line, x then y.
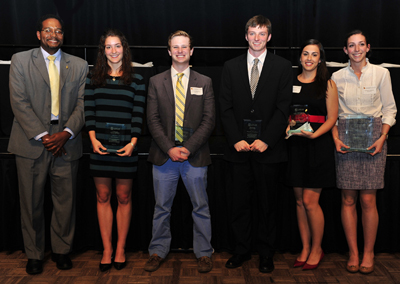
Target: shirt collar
{"type": "Point", "coordinates": [186, 72]}
{"type": "Point", "coordinates": [365, 68]}
{"type": "Point", "coordinates": [250, 58]}
{"type": "Point", "coordinates": [46, 54]}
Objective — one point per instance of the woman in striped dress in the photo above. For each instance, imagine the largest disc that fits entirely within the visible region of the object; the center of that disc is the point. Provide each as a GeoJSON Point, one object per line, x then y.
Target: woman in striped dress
{"type": "Point", "coordinates": [114, 106]}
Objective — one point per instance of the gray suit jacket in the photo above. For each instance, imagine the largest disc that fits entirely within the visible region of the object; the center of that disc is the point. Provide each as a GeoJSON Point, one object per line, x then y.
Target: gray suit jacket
{"type": "Point", "coordinates": [199, 116]}
{"type": "Point", "coordinates": [30, 99]}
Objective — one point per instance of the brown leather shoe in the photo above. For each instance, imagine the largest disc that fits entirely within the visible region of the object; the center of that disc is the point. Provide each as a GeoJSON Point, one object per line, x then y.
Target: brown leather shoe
{"type": "Point", "coordinates": [352, 268]}
{"type": "Point", "coordinates": [366, 270]}
{"type": "Point", "coordinates": [153, 263]}
{"type": "Point", "coordinates": [204, 264]}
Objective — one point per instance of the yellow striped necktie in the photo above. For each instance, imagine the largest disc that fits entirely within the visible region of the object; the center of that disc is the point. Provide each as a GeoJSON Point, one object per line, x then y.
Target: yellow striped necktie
{"type": "Point", "coordinates": [179, 107]}
{"type": "Point", "coordinates": [54, 85]}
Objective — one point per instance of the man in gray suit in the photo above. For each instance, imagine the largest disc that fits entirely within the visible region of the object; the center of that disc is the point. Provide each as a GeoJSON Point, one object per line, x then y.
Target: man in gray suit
{"type": "Point", "coordinates": [181, 117]}
{"type": "Point", "coordinates": [46, 139]}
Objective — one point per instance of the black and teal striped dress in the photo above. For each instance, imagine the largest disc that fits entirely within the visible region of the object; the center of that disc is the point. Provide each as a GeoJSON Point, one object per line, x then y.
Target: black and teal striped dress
{"type": "Point", "coordinates": [120, 104]}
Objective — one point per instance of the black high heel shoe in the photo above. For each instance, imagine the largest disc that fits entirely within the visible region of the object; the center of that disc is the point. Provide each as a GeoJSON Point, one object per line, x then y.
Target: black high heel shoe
{"type": "Point", "coordinates": [106, 266]}
{"type": "Point", "coordinates": [119, 265]}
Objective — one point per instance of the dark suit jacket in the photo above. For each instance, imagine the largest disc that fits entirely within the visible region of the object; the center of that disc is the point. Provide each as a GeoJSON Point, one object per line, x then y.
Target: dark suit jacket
{"type": "Point", "coordinates": [30, 98]}
{"type": "Point", "coordinates": [271, 104]}
{"type": "Point", "coordinates": [199, 116]}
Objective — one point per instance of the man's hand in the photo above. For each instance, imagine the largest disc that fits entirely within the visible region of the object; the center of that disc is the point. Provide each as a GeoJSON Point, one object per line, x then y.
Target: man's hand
{"type": "Point", "coordinates": [178, 154]}
{"type": "Point", "coordinates": [242, 146]}
{"type": "Point", "coordinates": [258, 146]}
{"type": "Point", "coordinates": [55, 143]}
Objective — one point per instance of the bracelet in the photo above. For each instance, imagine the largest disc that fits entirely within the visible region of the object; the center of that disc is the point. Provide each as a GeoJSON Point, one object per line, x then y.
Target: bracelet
{"type": "Point", "coordinates": [386, 134]}
{"type": "Point", "coordinates": [132, 144]}
{"type": "Point", "coordinates": [335, 138]}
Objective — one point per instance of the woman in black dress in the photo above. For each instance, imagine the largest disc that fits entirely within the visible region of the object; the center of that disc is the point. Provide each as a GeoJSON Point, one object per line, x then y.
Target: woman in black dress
{"type": "Point", "coordinates": [114, 106]}
{"type": "Point", "coordinates": [311, 154]}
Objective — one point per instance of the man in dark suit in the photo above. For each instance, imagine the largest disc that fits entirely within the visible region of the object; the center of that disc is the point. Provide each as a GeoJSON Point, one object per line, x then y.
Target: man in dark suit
{"type": "Point", "coordinates": [180, 117]}
{"type": "Point", "coordinates": [255, 96]}
{"type": "Point", "coordinates": [46, 94]}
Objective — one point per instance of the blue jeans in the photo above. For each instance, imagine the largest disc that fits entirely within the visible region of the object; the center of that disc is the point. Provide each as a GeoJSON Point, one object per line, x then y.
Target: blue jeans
{"type": "Point", "coordinates": [165, 180]}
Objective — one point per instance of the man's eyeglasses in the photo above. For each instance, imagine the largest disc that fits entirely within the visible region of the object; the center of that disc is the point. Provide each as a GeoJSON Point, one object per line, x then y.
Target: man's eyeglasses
{"type": "Point", "coordinates": [49, 31]}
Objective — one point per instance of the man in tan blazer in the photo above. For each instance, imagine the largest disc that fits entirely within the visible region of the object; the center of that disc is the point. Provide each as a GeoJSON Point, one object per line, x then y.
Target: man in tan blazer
{"type": "Point", "coordinates": [180, 149]}
{"type": "Point", "coordinates": [46, 142]}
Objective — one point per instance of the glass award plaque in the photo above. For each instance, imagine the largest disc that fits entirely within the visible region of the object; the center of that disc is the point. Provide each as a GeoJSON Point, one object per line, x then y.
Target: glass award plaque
{"type": "Point", "coordinates": [358, 133]}
{"type": "Point", "coordinates": [251, 129]}
{"type": "Point", "coordinates": [186, 131]}
{"type": "Point", "coordinates": [114, 137]}
{"type": "Point", "coordinates": [299, 120]}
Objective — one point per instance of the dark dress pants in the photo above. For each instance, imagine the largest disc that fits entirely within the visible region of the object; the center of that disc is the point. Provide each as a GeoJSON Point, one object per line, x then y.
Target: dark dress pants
{"type": "Point", "coordinates": [254, 191]}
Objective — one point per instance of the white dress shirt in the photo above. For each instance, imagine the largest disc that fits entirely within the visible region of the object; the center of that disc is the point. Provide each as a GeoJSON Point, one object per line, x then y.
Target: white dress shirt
{"type": "Point", "coordinates": [370, 95]}
{"type": "Point", "coordinates": [250, 63]}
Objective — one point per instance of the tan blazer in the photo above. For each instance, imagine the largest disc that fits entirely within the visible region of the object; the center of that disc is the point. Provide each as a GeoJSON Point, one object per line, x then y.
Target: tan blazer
{"type": "Point", "coordinates": [199, 116]}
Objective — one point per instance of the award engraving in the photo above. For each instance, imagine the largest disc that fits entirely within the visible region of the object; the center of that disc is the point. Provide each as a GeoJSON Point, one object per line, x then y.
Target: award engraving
{"type": "Point", "coordinates": [358, 133]}
{"type": "Point", "coordinates": [114, 137]}
{"type": "Point", "coordinates": [251, 129]}
{"type": "Point", "coordinates": [299, 120]}
{"type": "Point", "coordinates": [187, 133]}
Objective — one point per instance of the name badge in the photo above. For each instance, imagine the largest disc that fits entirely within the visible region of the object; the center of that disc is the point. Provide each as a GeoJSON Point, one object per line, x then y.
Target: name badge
{"type": "Point", "coordinates": [296, 89]}
{"type": "Point", "coordinates": [196, 91]}
{"type": "Point", "coordinates": [369, 90]}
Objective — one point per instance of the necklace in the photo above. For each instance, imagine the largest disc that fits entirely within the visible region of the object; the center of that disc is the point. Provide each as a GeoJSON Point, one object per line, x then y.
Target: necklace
{"type": "Point", "coordinates": [114, 77]}
{"type": "Point", "coordinates": [115, 71]}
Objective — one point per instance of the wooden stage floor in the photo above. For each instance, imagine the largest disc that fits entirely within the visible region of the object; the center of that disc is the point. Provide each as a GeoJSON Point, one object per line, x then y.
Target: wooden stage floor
{"type": "Point", "coordinates": [182, 268]}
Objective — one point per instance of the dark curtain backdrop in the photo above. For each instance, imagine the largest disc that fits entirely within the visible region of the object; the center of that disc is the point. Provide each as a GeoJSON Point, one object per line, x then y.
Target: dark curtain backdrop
{"type": "Point", "coordinates": [216, 23]}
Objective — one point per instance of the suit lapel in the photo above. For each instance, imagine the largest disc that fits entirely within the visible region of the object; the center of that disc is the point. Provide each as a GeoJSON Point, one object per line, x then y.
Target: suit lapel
{"type": "Point", "coordinates": [38, 60]}
{"type": "Point", "coordinates": [168, 87]}
{"type": "Point", "coordinates": [64, 69]}
{"type": "Point", "coordinates": [192, 83]}
{"type": "Point", "coordinates": [244, 75]}
{"type": "Point", "coordinates": [40, 64]}
{"type": "Point", "coordinates": [266, 70]}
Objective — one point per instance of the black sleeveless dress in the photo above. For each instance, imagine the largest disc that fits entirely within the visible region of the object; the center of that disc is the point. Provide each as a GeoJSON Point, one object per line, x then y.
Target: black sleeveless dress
{"type": "Point", "coordinates": [311, 161]}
